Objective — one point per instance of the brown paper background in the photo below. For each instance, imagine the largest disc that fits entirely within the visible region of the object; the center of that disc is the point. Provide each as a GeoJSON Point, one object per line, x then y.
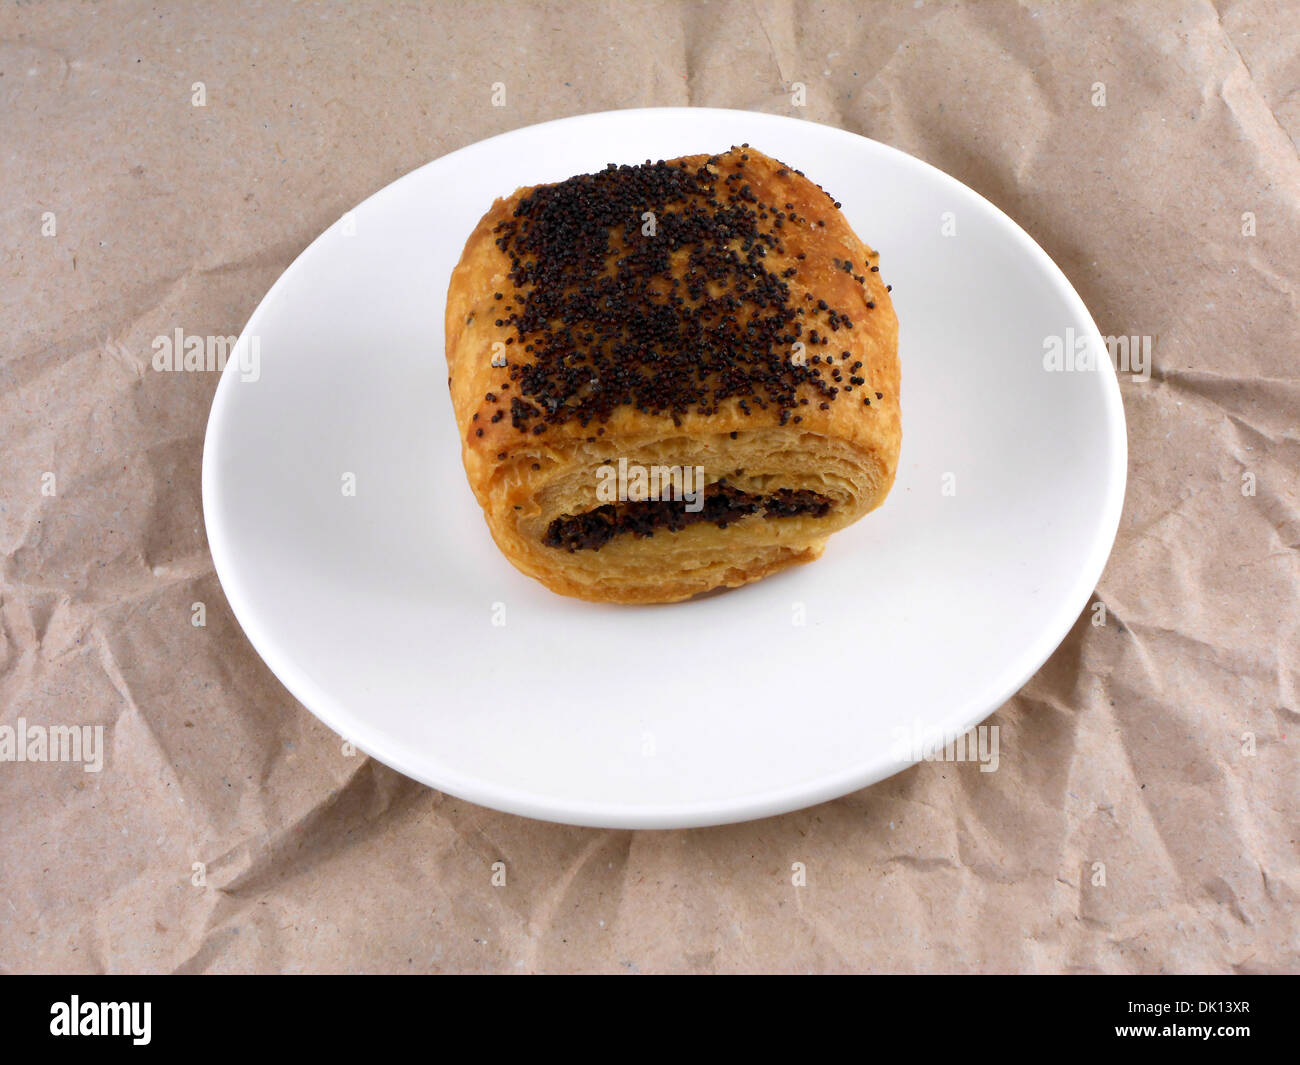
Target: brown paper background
{"type": "Point", "coordinates": [1127, 748]}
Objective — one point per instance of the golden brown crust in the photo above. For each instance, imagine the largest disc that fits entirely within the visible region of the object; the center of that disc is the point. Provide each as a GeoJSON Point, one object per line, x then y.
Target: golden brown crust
{"type": "Point", "coordinates": [829, 426]}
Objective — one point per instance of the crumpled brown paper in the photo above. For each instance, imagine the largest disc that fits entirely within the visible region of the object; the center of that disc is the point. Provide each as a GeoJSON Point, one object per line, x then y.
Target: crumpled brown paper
{"type": "Point", "coordinates": [1143, 817]}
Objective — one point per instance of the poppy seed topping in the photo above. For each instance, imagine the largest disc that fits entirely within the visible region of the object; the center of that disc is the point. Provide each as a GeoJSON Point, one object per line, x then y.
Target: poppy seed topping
{"type": "Point", "coordinates": [646, 286]}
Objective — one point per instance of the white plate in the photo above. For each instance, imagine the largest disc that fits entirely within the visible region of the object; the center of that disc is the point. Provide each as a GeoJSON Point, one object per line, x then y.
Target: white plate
{"type": "Point", "coordinates": [377, 610]}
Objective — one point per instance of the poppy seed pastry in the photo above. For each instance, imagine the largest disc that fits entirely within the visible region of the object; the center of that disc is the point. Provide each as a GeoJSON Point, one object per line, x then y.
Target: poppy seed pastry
{"type": "Point", "coordinates": [671, 377]}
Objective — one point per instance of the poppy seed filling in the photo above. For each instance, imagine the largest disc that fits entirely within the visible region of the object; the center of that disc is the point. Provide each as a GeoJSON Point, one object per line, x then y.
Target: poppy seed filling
{"type": "Point", "coordinates": [723, 504]}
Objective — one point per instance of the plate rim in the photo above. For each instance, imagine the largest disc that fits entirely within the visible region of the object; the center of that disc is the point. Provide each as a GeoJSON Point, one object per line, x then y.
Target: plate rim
{"type": "Point", "coordinates": [665, 814]}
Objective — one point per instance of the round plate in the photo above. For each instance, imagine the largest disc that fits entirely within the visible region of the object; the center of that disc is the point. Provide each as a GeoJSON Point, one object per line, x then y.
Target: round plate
{"type": "Point", "coordinates": [357, 561]}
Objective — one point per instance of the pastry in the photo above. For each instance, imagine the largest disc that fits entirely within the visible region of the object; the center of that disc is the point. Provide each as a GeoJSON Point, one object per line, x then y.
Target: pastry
{"type": "Point", "coordinates": [671, 377]}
